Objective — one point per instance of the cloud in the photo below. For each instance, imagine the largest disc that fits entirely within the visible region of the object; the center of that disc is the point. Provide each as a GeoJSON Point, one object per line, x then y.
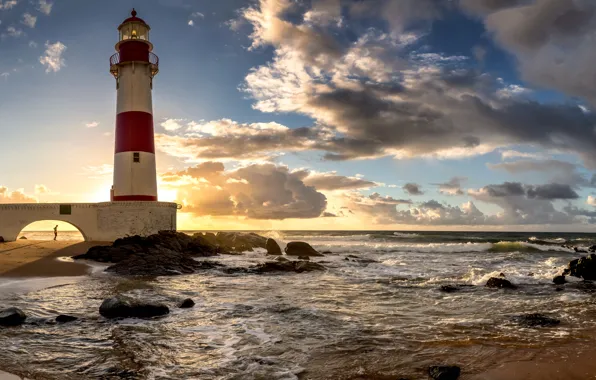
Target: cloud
{"type": "Point", "coordinates": [5, 75]}
{"type": "Point", "coordinates": [507, 154]}
{"type": "Point", "coordinates": [560, 171]}
{"type": "Point", "coordinates": [551, 39]}
{"type": "Point", "coordinates": [591, 201]}
{"type": "Point", "coordinates": [413, 189]}
{"type": "Point", "coordinates": [32, 44]}
{"type": "Point", "coordinates": [452, 187]}
{"type": "Point", "coordinates": [14, 32]}
{"type": "Point", "coordinates": [52, 57]}
{"type": "Point", "coordinates": [8, 4]}
{"type": "Point", "coordinates": [263, 191]}
{"type": "Point", "coordinates": [191, 23]}
{"type": "Point", "coordinates": [228, 140]}
{"type": "Point", "coordinates": [331, 181]}
{"type": "Point", "coordinates": [17, 196]}
{"type": "Point", "coordinates": [41, 189]}
{"type": "Point", "coordinates": [29, 20]}
{"type": "Point", "coordinates": [380, 97]}
{"type": "Point", "coordinates": [172, 125]}
{"type": "Point", "coordinates": [45, 7]}
{"type": "Point", "coordinates": [92, 124]}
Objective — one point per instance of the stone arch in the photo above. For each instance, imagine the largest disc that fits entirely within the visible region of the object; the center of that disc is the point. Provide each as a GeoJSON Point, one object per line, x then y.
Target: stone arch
{"type": "Point", "coordinates": [63, 220]}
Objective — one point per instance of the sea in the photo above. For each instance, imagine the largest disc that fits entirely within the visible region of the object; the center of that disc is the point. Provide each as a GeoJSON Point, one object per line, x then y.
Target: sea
{"type": "Point", "coordinates": [377, 312]}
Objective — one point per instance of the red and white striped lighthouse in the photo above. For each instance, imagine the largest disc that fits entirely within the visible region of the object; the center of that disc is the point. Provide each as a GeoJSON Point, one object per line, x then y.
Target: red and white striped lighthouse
{"type": "Point", "coordinates": [134, 66]}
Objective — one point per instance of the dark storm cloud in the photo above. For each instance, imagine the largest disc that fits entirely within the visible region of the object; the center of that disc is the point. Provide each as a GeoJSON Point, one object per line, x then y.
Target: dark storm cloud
{"type": "Point", "coordinates": [552, 191]}
{"type": "Point", "coordinates": [505, 189]}
{"type": "Point", "coordinates": [412, 189]}
{"type": "Point", "coordinates": [332, 181]}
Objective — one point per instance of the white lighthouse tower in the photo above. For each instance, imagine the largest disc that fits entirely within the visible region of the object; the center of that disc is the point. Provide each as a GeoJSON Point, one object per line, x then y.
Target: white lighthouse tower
{"type": "Point", "coordinates": [134, 66]}
{"type": "Point", "coordinates": [133, 209]}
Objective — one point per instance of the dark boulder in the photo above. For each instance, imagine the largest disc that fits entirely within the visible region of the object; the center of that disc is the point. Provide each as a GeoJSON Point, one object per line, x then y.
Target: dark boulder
{"type": "Point", "coordinates": [536, 320]}
{"type": "Point", "coordinates": [23, 238]}
{"type": "Point", "coordinates": [449, 288]}
{"type": "Point", "coordinates": [1, 239]}
{"type": "Point", "coordinates": [12, 317]}
{"type": "Point", "coordinates": [495, 282]}
{"type": "Point", "coordinates": [65, 318]}
{"type": "Point", "coordinates": [160, 262]}
{"type": "Point", "coordinates": [443, 372]}
{"type": "Point", "coordinates": [273, 248]}
{"type": "Point", "coordinates": [559, 280]}
{"type": "Point", "coordinates": [299, 248]}
{"type": "Point", "coordinates": [126, 307]}
{"type": "Point", "coordinates": [592, 248]}
{"type": "Point", "coordinates": [281, 259]}
{"type": "Point", "coordinates": [584, 267]}
{"type": "Point", "coordinates": [187, 304]}
{"type": "Point", "coordinates": [240, 241]}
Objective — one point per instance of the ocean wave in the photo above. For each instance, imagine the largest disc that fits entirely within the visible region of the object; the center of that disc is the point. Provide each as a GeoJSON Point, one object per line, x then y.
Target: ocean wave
{"type": "Point", "coordinates": [405, 235]}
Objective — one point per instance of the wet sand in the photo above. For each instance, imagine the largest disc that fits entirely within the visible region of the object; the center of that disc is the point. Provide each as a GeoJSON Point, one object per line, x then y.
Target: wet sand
{"type": "Point", "coordinates": [30, 258]}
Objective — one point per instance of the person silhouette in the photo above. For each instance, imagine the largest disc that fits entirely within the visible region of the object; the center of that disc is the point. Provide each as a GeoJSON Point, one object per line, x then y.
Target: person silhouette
{"type": "Point", "coordinates": [56, 232]}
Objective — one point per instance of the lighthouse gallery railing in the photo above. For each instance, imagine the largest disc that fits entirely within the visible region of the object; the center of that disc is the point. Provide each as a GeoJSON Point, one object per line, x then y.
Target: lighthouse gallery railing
{"type": "Point", "coordinates": [153, 60]}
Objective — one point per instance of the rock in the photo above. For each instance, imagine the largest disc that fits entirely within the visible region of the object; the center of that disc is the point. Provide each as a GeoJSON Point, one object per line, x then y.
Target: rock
{"type": "Point", "coordinates": [279, 266]}
{"type": "Point", "coordinates": [443, 372]}
{"type": "Point", "coordinates": [500, 283]}
{"type": "Point", "coordinates": [65, 318]}
{"type": "Point", "coordinates": [536, 320]}
{"type": "Point", "coordinates": [187, 304]}
{"type": "Point", "coordinates": [281, 259]}
{"type": "Point", "coordinates": [558, 289]}
{"type": "Point", "coordinates": [326, 252]}
{"type": "Point", "coordinates": [531, 274]}
{"type": "Point", "coordinates": [126, 307]}
{"type": "Point", "coordinates": [12, 317]}
{"type": "Point", "coordinates": [299, 248]}
{"type": "Point", "coordinates": [592, 248]}
{"type": "Point", "coordinates": [23, 238]}
{"type": "Point", "coordinates": [240, 241]}
{"type": "Point", "coordinates": [1, 239]}
{"type": "Point", "coordinates": [160, 262]}
{"type": "Point", "coordinates": [584, 267]}
{"type": "Point", "coordinates": [306, 258]}
{"type": "Point", "coordinates": [559, 280]}
{"type": "Point", "coordinates": [449, 288]}
{"type": "Point", "coordinates": [272, 247]}
{"type": "Point", "coordinates": [502, 274]}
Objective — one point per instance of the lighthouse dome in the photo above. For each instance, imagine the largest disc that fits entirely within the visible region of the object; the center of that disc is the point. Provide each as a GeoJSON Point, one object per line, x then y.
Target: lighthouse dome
{"type": "Point", "coordinates": [134, 18]}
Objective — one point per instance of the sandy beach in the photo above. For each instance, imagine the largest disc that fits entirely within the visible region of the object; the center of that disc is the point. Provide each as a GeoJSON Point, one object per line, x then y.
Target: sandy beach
{"type": "Point", "coordinates": [30, 258]}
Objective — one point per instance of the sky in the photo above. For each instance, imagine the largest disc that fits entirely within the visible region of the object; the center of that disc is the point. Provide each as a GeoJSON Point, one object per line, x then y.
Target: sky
{"type": "Point", "coordinates": [316, 114]}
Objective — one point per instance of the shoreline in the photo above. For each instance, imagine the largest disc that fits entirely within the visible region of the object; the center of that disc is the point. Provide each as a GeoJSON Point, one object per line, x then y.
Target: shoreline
{"type": "Point", "coordinates": [27, 260]}
{"type": "Point", "coordinates": [40, 258]}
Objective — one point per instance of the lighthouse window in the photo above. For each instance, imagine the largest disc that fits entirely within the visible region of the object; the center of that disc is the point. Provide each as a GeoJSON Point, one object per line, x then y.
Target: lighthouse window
{"type": "Point", "coordinates": [136, 157]}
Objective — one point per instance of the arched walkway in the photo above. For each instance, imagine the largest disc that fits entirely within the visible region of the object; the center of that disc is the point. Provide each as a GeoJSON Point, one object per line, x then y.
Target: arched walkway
{"type": "Point", "coordinates": [96, 221]}
{"type": "Point", "coordinates": [44, 230]}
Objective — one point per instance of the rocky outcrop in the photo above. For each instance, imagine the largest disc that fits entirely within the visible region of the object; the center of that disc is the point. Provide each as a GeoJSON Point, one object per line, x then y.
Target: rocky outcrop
{"type": "Point", "coordinates": [187, 304]}
{"type": "Point", "coordinates": [536, 320]}
{"type": "Point", "coordinates": [1, 239]}
{"type": "Point", "coordinates": [559, 280]}
{"type": "Point", "coordinates": [65, 318]}
{"type": "Point", "coordinates": [240, 241]}
{"type": "Point", "coordinates": [299, 248]}
{"type": "Point", "coordinates": [443, 372]}
{"type": "Point", "coordinates": [126, 307]}
{"type": "Point", "coordinates": [584, 267]}
{"type": "Point", "coordinates": [12, 317]}
{"type": "Point", "coordinates": [500, 283]}
{"type": "Point", "coordinates": [160, 262]}
{"type": "Point", "coordinates": [273, 248]}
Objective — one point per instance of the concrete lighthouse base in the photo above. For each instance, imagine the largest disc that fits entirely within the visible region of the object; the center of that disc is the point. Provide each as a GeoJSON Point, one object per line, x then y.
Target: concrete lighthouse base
{"type": "Point", "coordinates": [96, 221]}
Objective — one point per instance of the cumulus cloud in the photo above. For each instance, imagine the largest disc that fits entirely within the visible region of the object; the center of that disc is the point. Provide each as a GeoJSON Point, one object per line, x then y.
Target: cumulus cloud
{"type": "Point", "coordinates": [228, 140]}
{"type": "Point", "coordinates": [382, 98]}
{"type": "Point", "coordinates": [29, 20]}
{"type": "Point", "coordinates": [551, 39]}
{"type": "Point", "coordinates": [41, 189]}
{"type": "Point", "coordinates": [413, 189]}
{"type": "Point", "coordinates": [92, 124]}
{"type": "Point", "coordinates": [52, 57]}
{"type": "Point", "coordinates": [452, 187]}
{"type": "Point", "coordinates": [559, 171]}
{"type": "Point", "coordinates": [45, 7]}
{"type": "Point", "coordinates": [331, 181]}
{"type": "Point", "coordinates": [262, 191]}
{"type": "Point", "coordinates": [8, 4]}
{"type": "Point", "coordinates": [13, 32]}
{"type": "Point", "coordinates": [16, 196]}
{"type": "Point", "coordinates": [591, 201]}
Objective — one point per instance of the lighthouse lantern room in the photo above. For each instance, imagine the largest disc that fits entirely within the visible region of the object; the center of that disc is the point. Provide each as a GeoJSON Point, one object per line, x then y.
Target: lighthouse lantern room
{"type": "Point", "coordinates": [134, 66]}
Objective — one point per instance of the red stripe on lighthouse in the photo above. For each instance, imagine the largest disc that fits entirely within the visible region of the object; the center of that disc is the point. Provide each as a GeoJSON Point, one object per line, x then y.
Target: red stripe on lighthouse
{"type": "Point", "coordinates": [134, 132]}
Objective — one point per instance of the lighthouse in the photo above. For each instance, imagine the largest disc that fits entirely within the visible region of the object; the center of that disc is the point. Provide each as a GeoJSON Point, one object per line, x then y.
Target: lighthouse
{"type": "Point", "coordinates": [134, 66]}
